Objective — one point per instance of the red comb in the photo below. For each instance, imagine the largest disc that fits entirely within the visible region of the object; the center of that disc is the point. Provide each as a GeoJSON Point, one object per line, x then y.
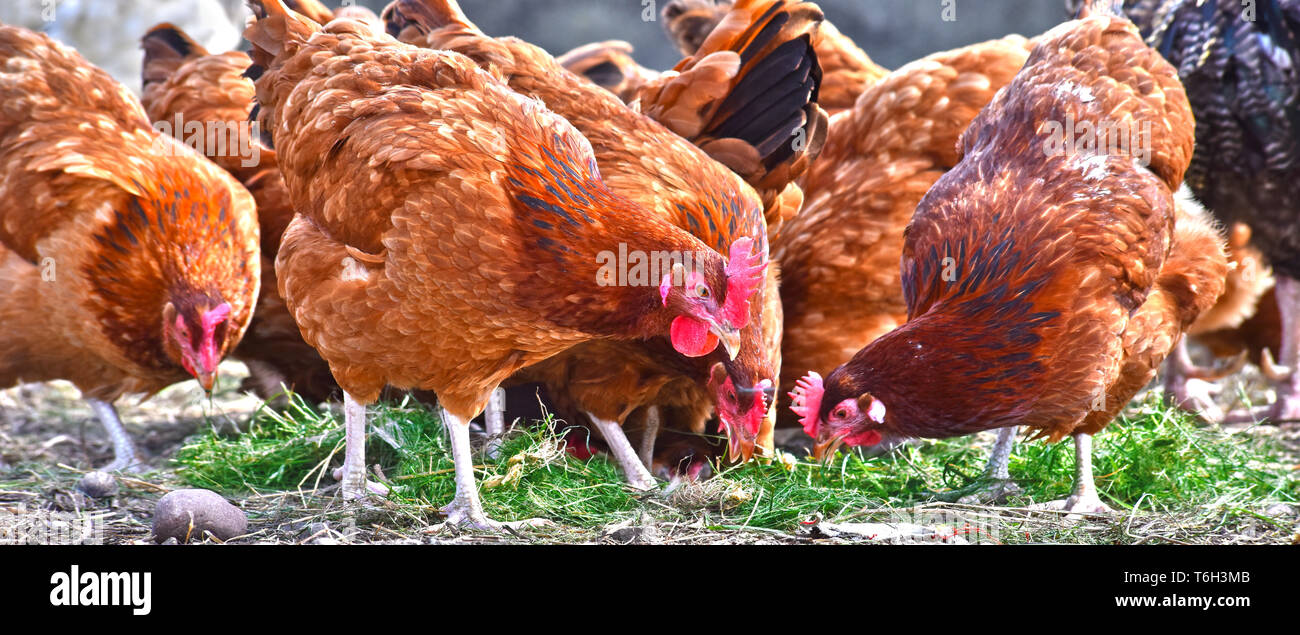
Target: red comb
{"type": "Point", "coordinates": [806, 401]}
{"type": "Point", "coordinates": [744, 275]}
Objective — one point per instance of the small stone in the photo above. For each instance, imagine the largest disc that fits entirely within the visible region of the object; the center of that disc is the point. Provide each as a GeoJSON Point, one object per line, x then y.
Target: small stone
{"type": "Point", "coordinates": [98, 484]}
{"type": "Point", "coordinates": [626, 535]}
{"type": "Point", "coordinates": [320, 534]}
{"type": "Point", "coordinates": [1280, 510]}
{"type": "Point", "coordinates": [186, 514]}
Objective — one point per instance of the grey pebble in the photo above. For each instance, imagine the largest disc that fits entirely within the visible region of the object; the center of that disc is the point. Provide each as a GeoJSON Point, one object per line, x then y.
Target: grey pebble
{"type": "Point", "coordinates": [98, 484]}
{"type": "Point", "coordinates": [208, 511]}
{"type": "Point", "coordinates": [1280, 509]}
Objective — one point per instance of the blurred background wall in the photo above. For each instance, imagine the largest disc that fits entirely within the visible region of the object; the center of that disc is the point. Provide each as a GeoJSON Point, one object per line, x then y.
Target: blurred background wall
{"type": "Point", "coordinates": [893, 32]}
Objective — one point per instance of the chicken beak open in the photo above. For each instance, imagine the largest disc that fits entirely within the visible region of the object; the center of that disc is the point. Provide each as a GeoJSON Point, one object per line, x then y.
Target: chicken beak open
{"type": "Point", "coordinates": [739, 449]}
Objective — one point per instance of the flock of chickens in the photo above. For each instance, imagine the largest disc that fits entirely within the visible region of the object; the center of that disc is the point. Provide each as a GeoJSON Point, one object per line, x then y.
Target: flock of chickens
{"type": "Point", "coordinates": [429, 206]}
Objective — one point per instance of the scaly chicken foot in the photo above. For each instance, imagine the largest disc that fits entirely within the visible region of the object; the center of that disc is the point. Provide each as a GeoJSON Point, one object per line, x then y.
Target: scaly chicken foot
{"type": "Point", "coordinates": [1084, 500]}
{"type": "Point", "coordinates": [353, 473]}
{"type": "Point", "coordinates": [636, 472]}
{"type": "Point", "coordinates": [125, 458]}
{"type": "Point", "coordinates": [1189, 387]}
{"type": "Point", "coordinates": [995, 485]}
{"type": "Point", "coordinates": [651, 432]}
{"type": "Point", "coordinates": [494, 419]}
{"type": "Point", "coordinates": [1284, 378]}
{"type": "Point", "coordinates": [466, 509]}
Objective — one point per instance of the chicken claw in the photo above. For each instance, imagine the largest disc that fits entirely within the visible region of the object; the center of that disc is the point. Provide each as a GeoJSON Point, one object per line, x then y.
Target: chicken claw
{"type": "Point", "coordinates": [353, 473]}
{"type": "Point", "coordinates": [1283, 376]}
{"type": "Point", "coordinates": [465, 509]}
{"type": "Point", "coordinates": [996, 485]}
{"type": "Point", "coordinates": [1084, 500]}
{"type": "Point", "coordinates": [372, 487]}
{"type": "Point", "coordinates": [1189, 387]}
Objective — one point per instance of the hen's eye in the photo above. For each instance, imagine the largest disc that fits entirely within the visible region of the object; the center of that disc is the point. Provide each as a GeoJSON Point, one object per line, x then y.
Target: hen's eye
{"type": "Point", "coordinates": [701, 291]}
{"type": "Point", "coordinates": [841, 413]}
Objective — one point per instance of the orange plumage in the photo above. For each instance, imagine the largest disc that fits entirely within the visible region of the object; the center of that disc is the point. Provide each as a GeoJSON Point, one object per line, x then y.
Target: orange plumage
{"type": "Point", "coordinates": [129, 261]}
{"type": "Point", "coordinates": [184, 84]}
{"type": "Point", "coordinates": [666, 175]}
{"type": "Point", "coordinates": [609, 65]}
{"type": "Point", "coordinates": [450, 230]}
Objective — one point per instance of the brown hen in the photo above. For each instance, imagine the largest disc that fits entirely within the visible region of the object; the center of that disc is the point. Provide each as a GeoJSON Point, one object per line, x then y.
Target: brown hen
{"type": "Point", "coordinates": [839, 257]}
{"type": "Point", "coordinates": [1046, 276]}
{"type": "Point", "coordinates": [128, 262]}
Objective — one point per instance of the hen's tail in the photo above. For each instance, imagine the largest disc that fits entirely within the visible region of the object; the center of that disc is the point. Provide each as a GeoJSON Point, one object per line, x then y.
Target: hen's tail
{"type": "Point", "coordinates": [609, 65]}
{"type": "Point", "coordinates": [749, 95]}
{"type": "Point", "coordinates": [311, 9]}
{"type": "Point", "coordinates": [166, 48]}
{"type": "Point", "coordinates": [402, 17]}
{"type": "Point", "coordinates": [275, 32]}
{"type": "Point", "coordinates": [272, 28]}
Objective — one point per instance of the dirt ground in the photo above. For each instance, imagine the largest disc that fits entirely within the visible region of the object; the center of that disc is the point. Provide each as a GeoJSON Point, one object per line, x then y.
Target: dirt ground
{"type": "Point", "coordinates": [48, 425]}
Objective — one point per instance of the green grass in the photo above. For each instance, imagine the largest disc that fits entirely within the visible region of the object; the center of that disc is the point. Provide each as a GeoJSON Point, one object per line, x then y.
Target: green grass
{"type": "Point", "coordinates": [1198, 479]}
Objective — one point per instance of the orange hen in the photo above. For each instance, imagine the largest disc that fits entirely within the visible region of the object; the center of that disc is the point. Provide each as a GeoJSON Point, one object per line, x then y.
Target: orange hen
{"type": "Point", "coordinates": [450, 230]}
{"type": "Point", "coordinates": [128, 262]}
{"type": "Point", "coordinates": [666, 175]}
{"type": "Point", "coordinates": [184, 86]}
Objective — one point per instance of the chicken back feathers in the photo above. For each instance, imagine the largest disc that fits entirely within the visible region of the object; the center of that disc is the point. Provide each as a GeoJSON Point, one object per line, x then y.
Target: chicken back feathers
{"type": "Point", "coordinates": [1045, 277]}
{"type": "Point", "coordinates": [129, 261]}
{"type": "Point", "coordinates": [471, 222]}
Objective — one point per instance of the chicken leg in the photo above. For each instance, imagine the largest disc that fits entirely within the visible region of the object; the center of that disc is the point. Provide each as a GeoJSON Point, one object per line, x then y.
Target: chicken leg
{"type": "Point", "coordinates": [1190, 387]}
{"type": "Point", "coordinates": [494, 418]}
{"type": "Point", "coordinates": [636, 472]}
{"type": "Point", "coordinates": [995, 484]}
{"type": "Point", "coordinates": [124, 453]}
{"type": "Point", "coordinates": [648, 435]}
{"type": "Point", "coordinates": [1285, 379]}
{"type": "Point", "coordinates": [1084, 500]}
{"type": "Point", "coordinates": [466, 509]}
{"type": "Point", "coordinates": [353, 473]}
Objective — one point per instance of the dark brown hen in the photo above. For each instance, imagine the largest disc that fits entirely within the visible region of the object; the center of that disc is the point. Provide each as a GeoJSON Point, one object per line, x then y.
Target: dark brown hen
{"type": "Point", "coordinates": [1046, 277]}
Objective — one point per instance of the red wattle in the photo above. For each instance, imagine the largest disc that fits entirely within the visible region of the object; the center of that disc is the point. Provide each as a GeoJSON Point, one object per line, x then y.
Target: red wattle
{"type": "Point", "coordinates": [864, 438]}
{"type": "Point", "coordinates": [692, 337]}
